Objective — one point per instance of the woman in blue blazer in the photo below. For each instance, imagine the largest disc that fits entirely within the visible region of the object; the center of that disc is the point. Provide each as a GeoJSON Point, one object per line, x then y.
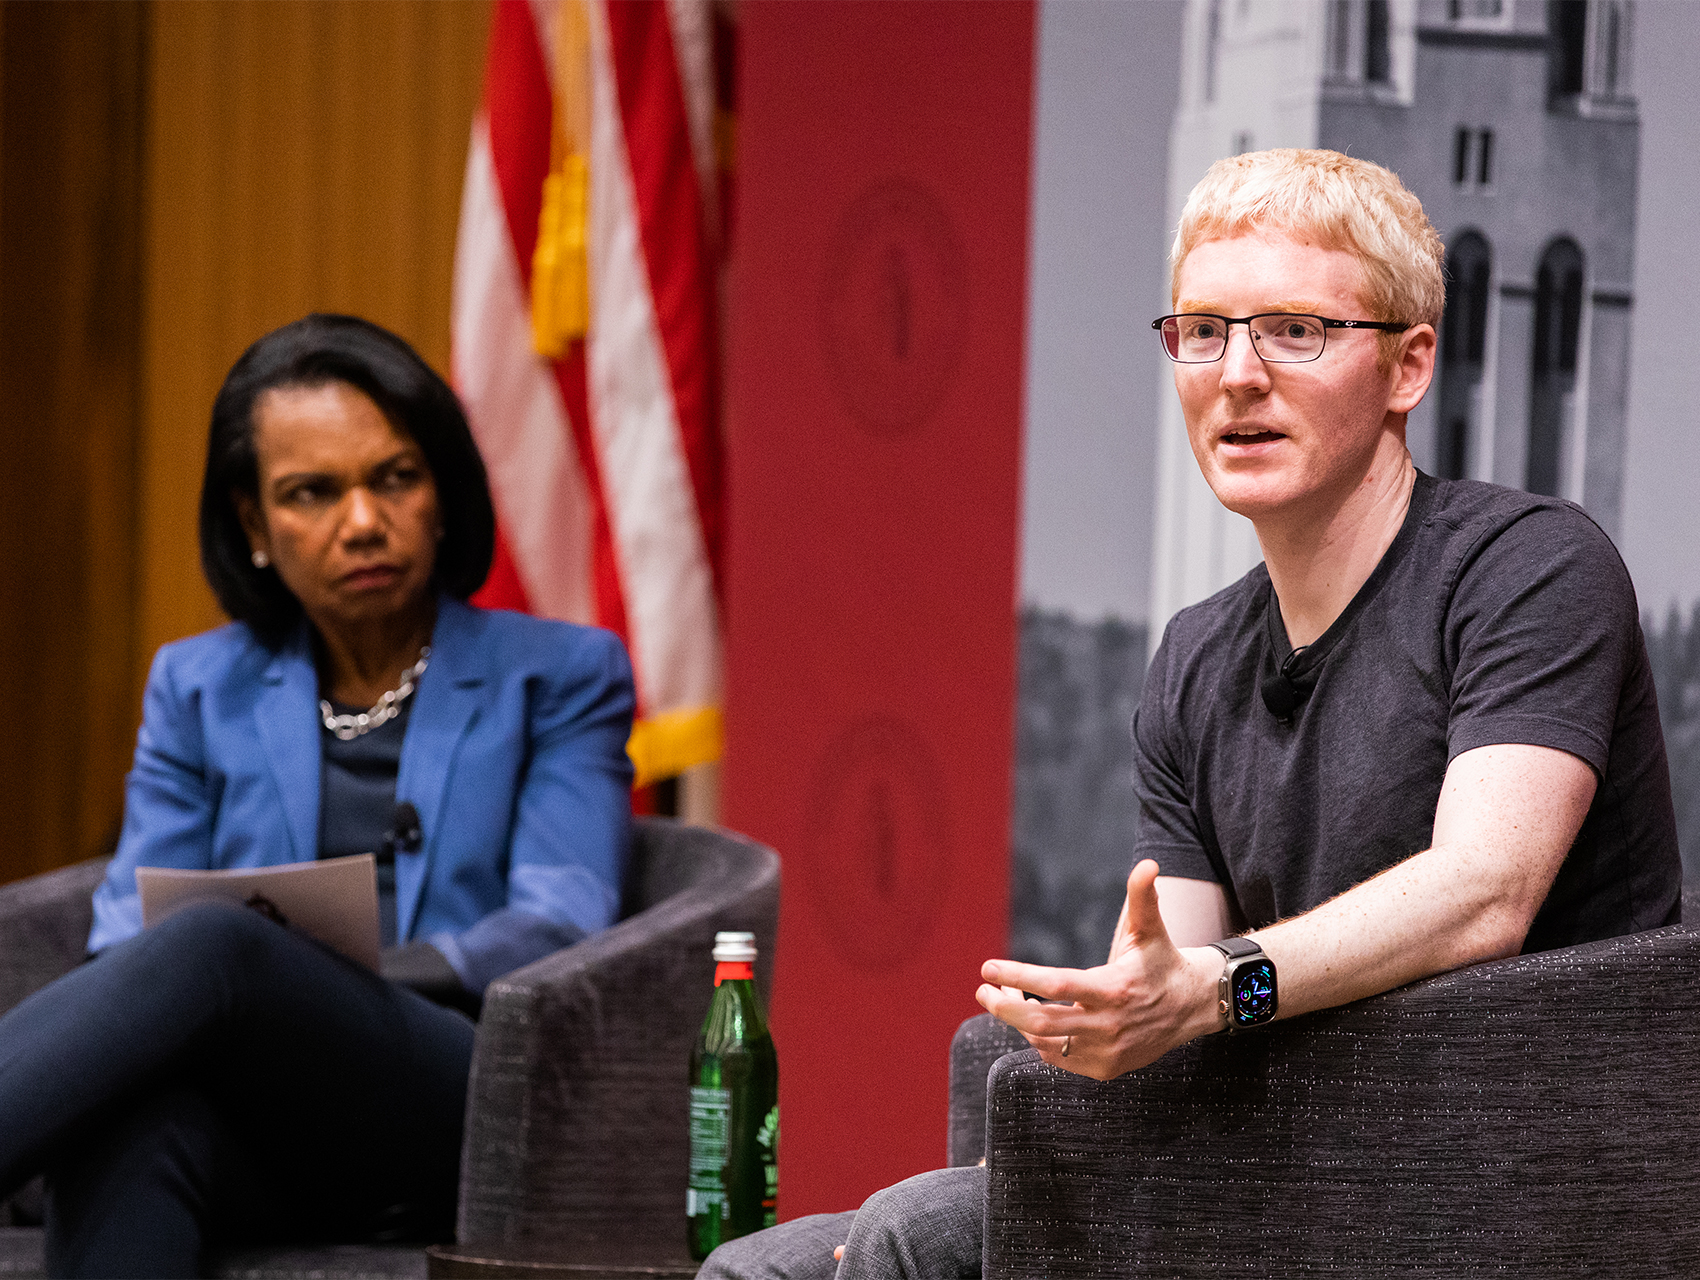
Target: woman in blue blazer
{"type": "Point", "coordinates": [513, 760]}
{"type": "Point", "coordinates": [219, 1077]}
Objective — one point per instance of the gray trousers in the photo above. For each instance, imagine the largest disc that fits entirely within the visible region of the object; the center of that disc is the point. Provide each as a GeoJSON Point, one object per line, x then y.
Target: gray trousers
{"type": "Point", "coordinates": [929, 1227]}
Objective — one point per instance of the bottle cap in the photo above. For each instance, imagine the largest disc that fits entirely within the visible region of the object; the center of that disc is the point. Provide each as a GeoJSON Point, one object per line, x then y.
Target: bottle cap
{"type": "Point", "coordinates": [731, 947]}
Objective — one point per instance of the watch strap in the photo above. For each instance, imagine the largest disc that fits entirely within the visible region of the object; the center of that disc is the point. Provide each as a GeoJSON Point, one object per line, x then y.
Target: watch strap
{"type": "Point", "coordinates": [1238, 948]}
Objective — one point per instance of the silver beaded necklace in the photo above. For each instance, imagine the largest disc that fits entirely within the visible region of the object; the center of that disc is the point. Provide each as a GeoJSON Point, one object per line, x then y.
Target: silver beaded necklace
{"type": "Point", "coordinates": [387, 708]}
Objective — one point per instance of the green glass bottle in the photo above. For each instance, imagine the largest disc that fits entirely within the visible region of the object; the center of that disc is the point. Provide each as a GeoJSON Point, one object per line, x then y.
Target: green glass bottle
{"type": "Point", "coordinates": [734, 1173]}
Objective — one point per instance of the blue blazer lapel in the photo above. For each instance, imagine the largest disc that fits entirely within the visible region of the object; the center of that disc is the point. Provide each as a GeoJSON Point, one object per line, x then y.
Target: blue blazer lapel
{"type": "Point", "coordinates": [451, 694]}
{"type": "Point", "coordinates": [286, 718]}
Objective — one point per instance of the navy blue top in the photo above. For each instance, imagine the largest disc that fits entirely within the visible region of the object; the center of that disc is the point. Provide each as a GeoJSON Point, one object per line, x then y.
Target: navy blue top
{"type": "Point", "coordinates": [357, 802]}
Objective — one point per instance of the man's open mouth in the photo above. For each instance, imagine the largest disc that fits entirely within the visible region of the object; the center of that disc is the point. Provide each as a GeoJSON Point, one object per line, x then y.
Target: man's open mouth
{"type": "Point", "coordinates": [1252, 437]}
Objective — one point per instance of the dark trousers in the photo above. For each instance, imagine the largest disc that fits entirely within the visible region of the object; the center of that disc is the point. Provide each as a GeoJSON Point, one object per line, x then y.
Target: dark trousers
{"type": "Point", "coordinates": [219, 1077]}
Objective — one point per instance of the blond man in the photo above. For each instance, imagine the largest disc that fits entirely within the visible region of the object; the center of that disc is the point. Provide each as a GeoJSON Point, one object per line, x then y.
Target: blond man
{"type": "Point", "coordinates": [1421, 734]}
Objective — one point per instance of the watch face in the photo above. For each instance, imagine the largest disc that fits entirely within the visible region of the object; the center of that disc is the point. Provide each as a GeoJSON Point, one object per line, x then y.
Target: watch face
{"type": "Point", "coordinates": [1254, 993]}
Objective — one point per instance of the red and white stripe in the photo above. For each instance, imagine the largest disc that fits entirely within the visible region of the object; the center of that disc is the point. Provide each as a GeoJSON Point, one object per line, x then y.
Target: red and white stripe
{"type": "Point", "coordinates": [605, 463]}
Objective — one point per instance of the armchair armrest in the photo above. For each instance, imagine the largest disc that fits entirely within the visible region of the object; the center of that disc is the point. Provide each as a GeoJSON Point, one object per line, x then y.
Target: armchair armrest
{"type": "Point", "coordinates": [577, 1110]}
{"type": "Point", "coordinates": [1527, 1116]}
{"type": "Point", "coordinates": [978, 1042]}
{"type": "Point", "coordinates": [44, 927]}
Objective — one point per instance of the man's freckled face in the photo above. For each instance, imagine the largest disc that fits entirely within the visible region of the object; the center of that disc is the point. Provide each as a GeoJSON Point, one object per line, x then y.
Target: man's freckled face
{"type": "Point", "coordinates": [1274, 437]}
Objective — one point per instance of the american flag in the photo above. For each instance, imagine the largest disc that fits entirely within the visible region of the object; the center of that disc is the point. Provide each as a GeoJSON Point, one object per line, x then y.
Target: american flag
{"type": "Point", "coordinates": [587, 356]}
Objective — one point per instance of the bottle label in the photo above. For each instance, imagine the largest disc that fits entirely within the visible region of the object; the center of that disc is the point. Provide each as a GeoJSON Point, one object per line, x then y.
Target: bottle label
{"type": "Point", "coordinates": [768, 1140]}
{"type": "Point", "coordinates": [729, 970]}
{"type": "Point", "coordinates": [711, 1117]}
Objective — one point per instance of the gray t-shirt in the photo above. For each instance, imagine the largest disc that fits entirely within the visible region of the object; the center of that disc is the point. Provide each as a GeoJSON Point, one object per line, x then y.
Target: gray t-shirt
{"type": "Point", "coordinates": [1495, 617]}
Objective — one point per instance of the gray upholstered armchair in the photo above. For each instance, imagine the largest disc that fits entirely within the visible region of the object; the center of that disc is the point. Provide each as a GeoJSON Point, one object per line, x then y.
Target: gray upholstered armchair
{"type": "Point", "coordinates": [576, 1129]}
{"type": "Point", "coordinates": [1526, 1117]}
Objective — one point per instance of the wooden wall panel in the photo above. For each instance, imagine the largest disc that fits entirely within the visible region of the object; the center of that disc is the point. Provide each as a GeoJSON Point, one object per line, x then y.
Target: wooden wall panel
{"type": "Point", "coordinates": [70, 181]}
{"type": "Point", "coordinates": [301, 157]}
{"type": "Point", "coordinates": [175, 180]}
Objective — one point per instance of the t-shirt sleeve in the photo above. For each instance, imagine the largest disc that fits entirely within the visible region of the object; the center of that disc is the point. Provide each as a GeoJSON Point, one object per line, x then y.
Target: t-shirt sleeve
{"type": "Point", "coordinates": [1168, 828]}
{"type": "Point", "coordinates": [1540, 633]}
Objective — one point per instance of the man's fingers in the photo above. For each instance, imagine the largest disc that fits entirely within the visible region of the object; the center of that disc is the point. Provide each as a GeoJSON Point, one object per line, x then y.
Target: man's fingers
{"type": "Point", "coordinates": [1027, 1016]}
{"type": "Point", "coordinates": [1057, 1051]}
{"type": "Point", "coordinates": [1119, 940]}
{"type": "Point", "coordinates": [1041, 980]}
{"type": "Point", "coordinates": [1143, 919]}
{"type": "Point", "coordinates": [1050, 1048]}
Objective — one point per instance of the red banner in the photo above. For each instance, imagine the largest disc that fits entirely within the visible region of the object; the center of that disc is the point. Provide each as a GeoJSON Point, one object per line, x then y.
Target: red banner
{"type": "Point", "coordinates": [874, 443]}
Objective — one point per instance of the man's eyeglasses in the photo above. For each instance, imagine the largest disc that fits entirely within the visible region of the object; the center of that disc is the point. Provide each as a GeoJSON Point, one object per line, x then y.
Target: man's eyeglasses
{"type": "Point", "coordinates": [1279, 337]}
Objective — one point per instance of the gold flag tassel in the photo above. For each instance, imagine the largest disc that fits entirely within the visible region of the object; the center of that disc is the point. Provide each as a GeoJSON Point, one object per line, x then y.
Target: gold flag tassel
{"type": "Point", "coordinates": [667, 743]}
{"type": "Point", "coordinates": [560, 274]}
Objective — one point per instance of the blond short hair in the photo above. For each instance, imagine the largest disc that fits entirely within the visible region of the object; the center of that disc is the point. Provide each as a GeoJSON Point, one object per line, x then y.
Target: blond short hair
{"type": "Point", "coordinates": [1333, 200]}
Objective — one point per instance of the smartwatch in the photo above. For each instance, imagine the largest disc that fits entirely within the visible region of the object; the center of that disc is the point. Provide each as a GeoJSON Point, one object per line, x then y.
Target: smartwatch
{"type": "Point", "coordinates": [1248, 985]}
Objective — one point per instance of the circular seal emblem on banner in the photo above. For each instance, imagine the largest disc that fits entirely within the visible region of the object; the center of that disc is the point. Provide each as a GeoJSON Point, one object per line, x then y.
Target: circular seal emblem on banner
{"type": "Point", "coordinates": [880, 844]}
{"type": "Point", "coordinates": [894, 306]}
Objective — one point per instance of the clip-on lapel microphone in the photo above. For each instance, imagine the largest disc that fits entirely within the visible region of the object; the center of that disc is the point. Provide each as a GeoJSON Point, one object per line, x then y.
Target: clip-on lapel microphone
{"type": "Point", "coordinates": [405, 834]}
{"type": "Point", "coordinates": [1282, 691]}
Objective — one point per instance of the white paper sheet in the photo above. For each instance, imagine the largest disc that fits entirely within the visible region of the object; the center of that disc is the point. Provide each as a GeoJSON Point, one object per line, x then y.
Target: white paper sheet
{"type": "Point", "coordinates": [334, 900]}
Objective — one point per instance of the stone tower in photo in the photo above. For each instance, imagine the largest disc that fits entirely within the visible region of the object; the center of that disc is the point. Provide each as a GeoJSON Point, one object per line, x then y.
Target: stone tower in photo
{"type": "Point", "coordinates": [1515, 124]}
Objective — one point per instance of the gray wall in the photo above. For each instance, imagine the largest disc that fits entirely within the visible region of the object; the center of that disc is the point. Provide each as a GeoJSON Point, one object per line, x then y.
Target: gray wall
{"type": "Point", "coordinates": [1661, 492]}
{"type": "Point", "coordinates": [1108, 76]}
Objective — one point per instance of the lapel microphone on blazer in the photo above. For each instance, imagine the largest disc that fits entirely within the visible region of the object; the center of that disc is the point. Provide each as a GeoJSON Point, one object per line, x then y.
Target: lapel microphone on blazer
{"type": "Point", "coordinates": [405, 833]}
{"type": "Point", "coordinates": [1284, 690]}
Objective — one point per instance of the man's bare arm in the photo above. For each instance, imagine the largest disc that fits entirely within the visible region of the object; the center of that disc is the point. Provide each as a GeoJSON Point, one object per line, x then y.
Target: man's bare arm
{"type": "Point", "coordinates": [1195, 912]}
{"type": "Point", "coordinates": [1506, 818]}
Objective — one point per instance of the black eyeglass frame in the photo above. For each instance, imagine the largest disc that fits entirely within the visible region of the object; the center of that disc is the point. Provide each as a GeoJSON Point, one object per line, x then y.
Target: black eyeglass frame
{"type": "Point", "coordinates": [1327, 323]}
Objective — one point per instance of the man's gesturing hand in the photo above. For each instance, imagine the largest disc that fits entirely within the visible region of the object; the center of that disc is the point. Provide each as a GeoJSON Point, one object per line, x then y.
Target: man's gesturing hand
{"type": "Point", "coordinates": [1147, 999]}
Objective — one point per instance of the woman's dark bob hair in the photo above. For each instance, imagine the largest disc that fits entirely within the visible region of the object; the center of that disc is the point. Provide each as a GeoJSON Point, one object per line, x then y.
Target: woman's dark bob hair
{"type": "Point", "coordinates": [310, 353]}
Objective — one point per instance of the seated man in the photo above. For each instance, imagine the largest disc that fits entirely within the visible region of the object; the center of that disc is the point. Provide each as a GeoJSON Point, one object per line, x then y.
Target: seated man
{"type": "Point", "coordinates": [1420, 735]}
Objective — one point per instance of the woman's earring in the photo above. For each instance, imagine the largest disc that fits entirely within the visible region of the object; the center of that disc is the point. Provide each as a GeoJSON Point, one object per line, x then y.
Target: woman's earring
{"type": "Point", "coordinates": [260, 559]}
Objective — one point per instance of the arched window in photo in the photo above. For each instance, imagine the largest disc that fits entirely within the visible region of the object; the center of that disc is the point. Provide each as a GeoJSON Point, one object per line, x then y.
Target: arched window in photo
{"type": "Point", "coordinates": [1463, 352]}
{"type": "Point", "coordinates": [1567, 46]}
{"type": "Point", "coordinates": [1552, 383]}
{"type": "Point", "coordinates": [1378, 52]}
{"type": "Point", "coordinates": [1588, 51]}
{"type": "Point", "coordinates": [1364, 52]}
